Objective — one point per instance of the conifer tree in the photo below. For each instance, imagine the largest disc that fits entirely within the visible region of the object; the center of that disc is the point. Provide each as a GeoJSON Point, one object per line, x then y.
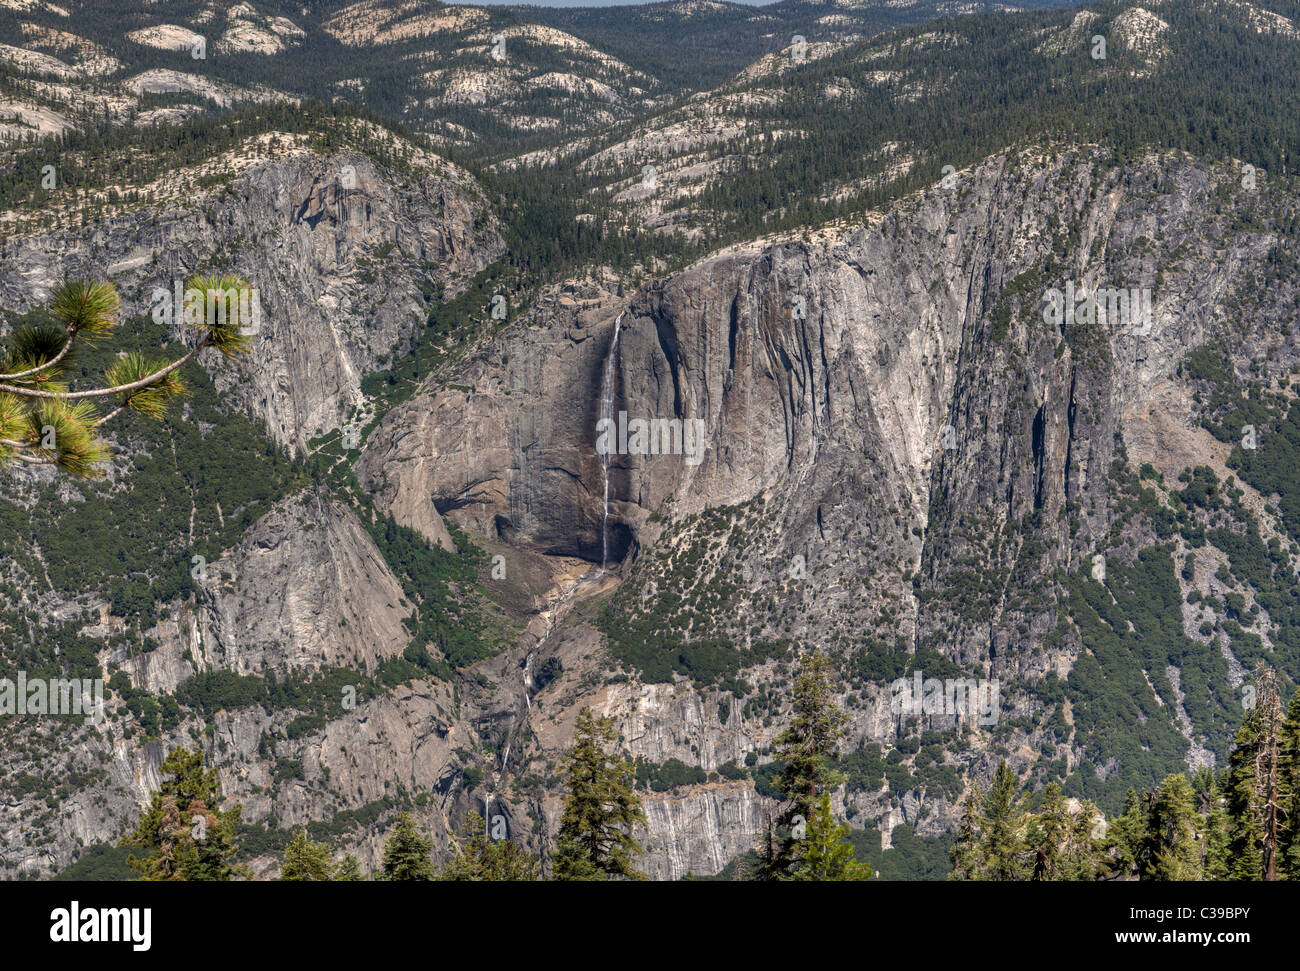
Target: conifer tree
{"type": "Point", "coordinates": [1205, 828]}
{"type": "Point", "coordinates": [1060, 841]}
{"type": "Point", "coordinates": [828, 855]}
{"type": "Point", "coordinates": [1000, 824]}
{"type": "Point", "coordinates": [1087, 843]}
{"type": "Point", "coordinates": [408, 854]}
{"type": "Point", "coordinates": [1127, 839]}
{"type": "Point", "coordinates": [347, 870]}
{"type": "Point", "coordinates": [480, 858]}
{"type": "Point", "coordinates": [807, 746]}
{"type": "Point", "coordinates": [1048, 834]}
{"type": "Point", "coordinates": [967, 854]}
{"type": "Point", "coordinates": [1289, 791]}
{"type": "Point", "coordinates": [1267, 770]}
{"type": "Point", "coordinates": [186, 833]}
{"type": "Point", "coordinates": [1245, 820]}
{"type": "Point", "coordinates": [44, 420]}
{"type": "Point", "coordinates": [1174, 852]}
{"type": "Point", "coordinates": [305, 860]}
{"type": "Point", "coordinates": [1215, 861]}
{"type": "Point", "coordinates": [600, 809]}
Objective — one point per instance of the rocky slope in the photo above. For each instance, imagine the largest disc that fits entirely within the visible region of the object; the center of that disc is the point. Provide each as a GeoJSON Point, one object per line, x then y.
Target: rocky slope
{"type": "Point", "coordinates": [906, 460]}
{"type": "Point", "coordinates": [885, 410]}
{"type": "Point", "coordinates": [341, 251]}
{"type": "Point", "coordinates": [910, 422]}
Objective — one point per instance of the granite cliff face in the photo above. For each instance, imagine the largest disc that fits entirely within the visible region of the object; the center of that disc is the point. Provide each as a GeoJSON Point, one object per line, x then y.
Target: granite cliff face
{"type": "Point", "coordinates": [905, 415]}
{"type": "Point", "coordinates": [909, 450]}
{"type": "Point", "coordinates": [860, 382]}
{"type": "Point", "coordinates": [341, 251]}
{"type": "Point", "coordinates": [306, 589]}
{"type": "Point", "coordinates": [345, 254]}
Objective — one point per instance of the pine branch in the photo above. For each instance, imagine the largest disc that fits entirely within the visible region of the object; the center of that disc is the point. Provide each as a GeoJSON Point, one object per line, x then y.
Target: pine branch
{"type": "Point", "coordinates": [107, 392]}
{"type": "Point", "coordinates": [52, 362]}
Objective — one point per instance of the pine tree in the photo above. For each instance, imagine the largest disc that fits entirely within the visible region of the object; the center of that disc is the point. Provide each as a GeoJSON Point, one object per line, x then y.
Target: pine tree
{"type": "Point", "coordinates": [45, 421]}
{"type": "Point", "coordinates": [347, 870]}
{"type": "Point", "coordinates": [1001, 824]}
{"type": "Point", "coordinates": [1175, 852]}
{"type": "Point", "coordinates": [305, 860]}
{"type": "Point", "coordinates": [479, 858]}
{"type": "Point", "coordinates": [1289, 791]}
{"type": "Point", "coordinates": [828, 855]}
{"type": "Point", "coordinates": [1086, 844]}
{"type": "Point", "coordinates": [595, 840]}
{"type": "Point", "coordinates": [1267, 770]}
{"type": "Point", "coordinates": [967, 854]}
{"type": "Point", "coordinates": [1245, 828]}
{"type": "Point", "coordinates": [806, 746]}
{"type": "Point", "coordinates": [188, 837]}
{"type": "Point", "coordinates": [1127, 839]}
{"type": "Point", "coordinates": [1061, 841]}
{"type": "Point", "coordinates": [1215, 861]}
{"type": "Point", "coordinates": [407, 854]}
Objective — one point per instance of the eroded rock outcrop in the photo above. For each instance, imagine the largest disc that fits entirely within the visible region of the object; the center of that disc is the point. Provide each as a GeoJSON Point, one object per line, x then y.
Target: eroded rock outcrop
{"type": "Point", "coordinates": [306, 589]}
{"type": "Point", "coordinates": [339, 249]}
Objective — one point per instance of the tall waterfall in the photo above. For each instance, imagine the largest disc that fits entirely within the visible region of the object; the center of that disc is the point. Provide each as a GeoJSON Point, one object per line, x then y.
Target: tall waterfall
{"type": "Point", "coordinates": [607, 413]}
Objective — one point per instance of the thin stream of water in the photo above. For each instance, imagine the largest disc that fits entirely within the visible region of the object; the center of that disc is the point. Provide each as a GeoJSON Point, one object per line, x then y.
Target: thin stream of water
{"type": "Point", "coordinates": [607, 413]}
